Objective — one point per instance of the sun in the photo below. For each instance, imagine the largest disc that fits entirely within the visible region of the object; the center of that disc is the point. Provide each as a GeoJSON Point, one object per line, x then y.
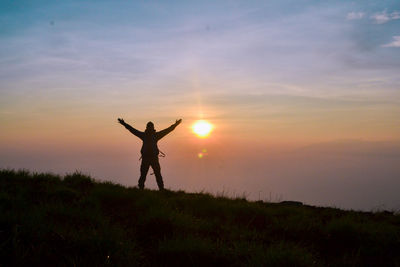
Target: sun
{"type": "Point", "coordinates": [202, 128]}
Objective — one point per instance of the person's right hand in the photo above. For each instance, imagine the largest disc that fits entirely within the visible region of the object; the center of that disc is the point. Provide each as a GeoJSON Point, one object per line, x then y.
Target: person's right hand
{"type": "Point", "coordinates": [121, 120]}
{"type": "Point", "coordinates": [178, 122]}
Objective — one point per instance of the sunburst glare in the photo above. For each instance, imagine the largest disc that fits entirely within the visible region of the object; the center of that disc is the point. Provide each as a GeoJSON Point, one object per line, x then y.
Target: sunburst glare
{"type": "Point", "coordinates": [202, 128]}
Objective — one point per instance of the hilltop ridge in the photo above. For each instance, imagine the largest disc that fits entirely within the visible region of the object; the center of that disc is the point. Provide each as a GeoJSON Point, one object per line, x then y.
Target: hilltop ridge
{"type": "Point", "coordinates": [47, 219]}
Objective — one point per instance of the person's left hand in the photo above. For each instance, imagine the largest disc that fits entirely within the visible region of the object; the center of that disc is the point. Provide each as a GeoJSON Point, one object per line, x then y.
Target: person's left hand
{"type": "Point", "coordinates": [120, 120]}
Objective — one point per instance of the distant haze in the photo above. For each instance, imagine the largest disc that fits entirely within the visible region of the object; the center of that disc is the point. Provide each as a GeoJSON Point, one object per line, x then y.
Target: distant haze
{"type": "Point", "coordinates": [304, 96]}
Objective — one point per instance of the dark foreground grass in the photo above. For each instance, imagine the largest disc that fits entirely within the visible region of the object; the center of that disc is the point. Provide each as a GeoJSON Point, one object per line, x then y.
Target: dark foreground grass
{"type": "Point", "coordinates": [74, 221]}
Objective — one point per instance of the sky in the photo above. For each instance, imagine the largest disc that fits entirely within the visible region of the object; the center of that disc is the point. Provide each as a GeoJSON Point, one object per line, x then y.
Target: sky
{"type": "Point", "coordinates": [304, 96]}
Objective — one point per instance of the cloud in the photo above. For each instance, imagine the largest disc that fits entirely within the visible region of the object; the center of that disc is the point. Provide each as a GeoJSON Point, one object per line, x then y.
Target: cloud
{"type": "Point", "coordinates": [383, 17]}
{"type": "Point", "coordinates": [355, 15]}
{"type": "Point", "coordinates": [395, 15]}
{"type": "Point", "coordinates": [394, 43]}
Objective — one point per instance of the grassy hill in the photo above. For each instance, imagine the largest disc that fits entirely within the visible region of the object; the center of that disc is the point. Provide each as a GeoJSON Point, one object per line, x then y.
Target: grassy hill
{"type": "Point", "coordinates": [75, 221]}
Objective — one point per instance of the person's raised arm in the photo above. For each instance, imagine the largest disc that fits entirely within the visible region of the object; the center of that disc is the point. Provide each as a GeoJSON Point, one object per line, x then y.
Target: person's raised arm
{"type": "Point", "coordinates": [130, 128]}
{"type": "Point", "coordinates": [166, 131]}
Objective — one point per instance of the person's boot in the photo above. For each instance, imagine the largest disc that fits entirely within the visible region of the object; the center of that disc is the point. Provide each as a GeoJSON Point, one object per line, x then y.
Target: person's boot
{"type": "Point", "coordinates": [160, 183]}
{"type": "Point", "coordinates": [141, 183]}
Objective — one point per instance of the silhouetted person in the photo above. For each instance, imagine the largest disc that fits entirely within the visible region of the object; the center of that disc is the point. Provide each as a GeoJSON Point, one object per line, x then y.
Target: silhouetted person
{"type": "Point", "coordinates": [150, 150]}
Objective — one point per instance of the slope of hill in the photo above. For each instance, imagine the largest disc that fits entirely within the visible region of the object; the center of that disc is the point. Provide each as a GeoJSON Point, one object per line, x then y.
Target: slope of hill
{"type": "Point", "coordinates": [75, 221]}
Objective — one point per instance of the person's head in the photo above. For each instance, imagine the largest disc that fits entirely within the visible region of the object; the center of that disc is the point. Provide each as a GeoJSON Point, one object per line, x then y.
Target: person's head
{"type": "Point", "coordinates": [150, 127]}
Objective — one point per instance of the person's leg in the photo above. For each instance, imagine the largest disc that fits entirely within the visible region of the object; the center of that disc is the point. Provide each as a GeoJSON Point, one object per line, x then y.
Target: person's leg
{"type": "Point", "coordinates": [155, 165]}
{"type": "Point", "coordinates": [144, 168]}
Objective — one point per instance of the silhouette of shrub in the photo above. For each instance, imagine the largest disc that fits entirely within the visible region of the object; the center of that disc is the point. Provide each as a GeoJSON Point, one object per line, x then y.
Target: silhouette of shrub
{"type": "Point", "coordinates": [79, 181]}
{"type": "Point", "coordinates": [77, 221]}
{"type": "Point", "coordinates": [344, 231]}
{"type": "Point", "coordinates": [48, 179]}
{"type": "Point", "coordinates": [155, 225]}
{"type": "Point", "coordinates": [252, 217]}
{"type": "Point", "coordinates": [192, 251]}
{"type": "Point", "coordinates": [63, 194]}
{"type": "Point", "coordinates": [5, 200]}
{"type": "Point", "coordinates": [282, 254]}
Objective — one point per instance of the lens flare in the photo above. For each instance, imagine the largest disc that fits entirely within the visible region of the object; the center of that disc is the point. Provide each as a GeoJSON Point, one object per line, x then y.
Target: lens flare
{"type": "Point", "coordinates": [202, 128]}
{"type": "Point", "coordinates": [202, 154]}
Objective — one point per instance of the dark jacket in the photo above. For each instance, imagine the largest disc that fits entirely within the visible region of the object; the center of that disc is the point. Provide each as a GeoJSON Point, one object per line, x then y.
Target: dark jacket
{"type": "Point", "coordinates": [150, 139]}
